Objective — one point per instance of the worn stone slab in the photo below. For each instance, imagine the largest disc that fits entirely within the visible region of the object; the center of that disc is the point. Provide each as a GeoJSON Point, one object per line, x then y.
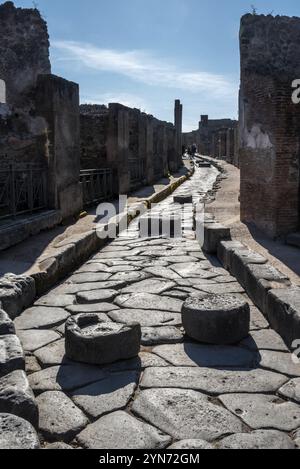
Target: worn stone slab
{"type": "Point", "coordinates": [6, 325]}
{"type": "Point", "coordinates": [117, 254]}
{"type": "Point", "coordinates": [59, 301]}
{"type": "Point", "coordinates": [89, 278]}
{"type": "Point", "coordinates": [89, 287]}
{"type": "Point", "coordinates": [58, 446]}
{"type": "Point", "coordinates": [191, 354]}
{"type": "Point", "coordinates": [163, 272]}
{"type": "Point", "coordinates": [34, 339]}
{"type": "Point", "coordinates": [145, 318]}
{"type": "Point", "coordinates": [161, 335]}
{"type": "Point", "coordinates": [192, 444]}
{"type": "Point", "coordinates": [93, 308]}
{"type": "Point", "coordinates": [96, 296]}
{"type": "Point", "coordinates": [185, 414]}
{"type": "Point", "coordinates": [65, 378]}
{"type": "Point", "coordinates": [214, 233]}
{"type": "Point", "coordinates": [257, 320]}
{"type": "Point", "coordinates": [16, 433]}
{"type": "Point", "coordinates": [279, 362]}
{"type": "Point", "coordinates": [263, 412]}
{"type": "Point", "coordinates": [31, 364]}
{"type": "Point", "coordinates": [192, 270]}
{"type": "Point", "coordinates": [108, 395]}
{"type": "Point", "coordinates": [122, 431]}
{"type": "Point", "coordinates": [53, 354]}
{"type": "Point", "coordinates": [265, 340]}
{"type": "Point", "coordinates": [11, 354]}
{"type": "Point", "coordinates": [222, 289]}
{"type": "Point", "coordinates": [213, 381]}
{"type": "Point", "coordinates": [226, 250]}
{"type": "Point", "coordinates": [184, 260]}
{"type": "Point", "coordinates": [149, 302]}
{"type": "Point", "coordinates": [60, 419]}
{"type": "Point", "coordinates": [129, 277]}
{"type": "Point", "coordinates": [240, 259]}
{"type": "Point", "coordinates": [291, 390]}
{"type": "Point", "coordinates": [16, 397]}
{"type": "Point", "coordinates": [258, 440]}
{"type": "Point", "coordinates": [178, 294]}
{"type": "Point", "coordinates": [153, 286]}
{"type": "Point", "coordinates": [41, 317]}
{"type": "Point", "coordinates": [16, 293]}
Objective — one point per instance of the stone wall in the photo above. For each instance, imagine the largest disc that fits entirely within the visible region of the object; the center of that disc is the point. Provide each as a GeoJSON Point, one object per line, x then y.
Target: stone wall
{"type": "Point", "coordinates": [269, 123]}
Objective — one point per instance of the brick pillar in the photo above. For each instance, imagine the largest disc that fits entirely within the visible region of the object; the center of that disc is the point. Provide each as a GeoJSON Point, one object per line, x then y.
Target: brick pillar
{"type": "Point", "coordinates": [118, 146]}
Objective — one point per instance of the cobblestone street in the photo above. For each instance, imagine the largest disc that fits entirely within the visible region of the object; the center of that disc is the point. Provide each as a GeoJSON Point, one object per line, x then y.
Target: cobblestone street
{"type": "Point", "coordinates": [178, 394]}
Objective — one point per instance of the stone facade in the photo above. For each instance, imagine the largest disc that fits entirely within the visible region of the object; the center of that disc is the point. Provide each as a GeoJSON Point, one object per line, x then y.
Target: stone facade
{"type": "Point", "coordinates": [269, 123]}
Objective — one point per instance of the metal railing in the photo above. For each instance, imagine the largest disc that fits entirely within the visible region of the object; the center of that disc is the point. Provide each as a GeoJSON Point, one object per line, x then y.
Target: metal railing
{"type": "Point", "coordinates": [97, 185]}
{"type": "Point", "coordinates": [23, 189]}
{"type": "Point", "coordinates": [137, 172]}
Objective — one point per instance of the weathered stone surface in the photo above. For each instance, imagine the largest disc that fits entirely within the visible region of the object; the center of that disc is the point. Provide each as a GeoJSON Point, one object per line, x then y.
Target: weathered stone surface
{"type": "Point", "coordinates": [184, 260]}
{"type": "Point", "coordinates": [216, 319]}
{"type": "Point", "coordinates": [122, 431]}
{"type": "Point", "coordinates": [31, 364]}
{"type": "Point", "coordinates": [16, 293]}
{"type": "Point", "coordinates": [149, 360]}
{"type": "Point", "coordinates": [129, 277]}
{"type": "Point", "coordinates": [89, 278]}
{"type": "Point", "coordinates": [58, 446]}
{"type": "Point", "coordinates": [291, 390]}
{"type": "Point", "coordinates": [58, 301]}
{"type": "Point", "coordinates": [225, 252]}
{"type": "Point", "coordinates": [192, 444]}
{"type": "Point", "coordinates": [222, 289]}
{"type": "Point", "coordinates": [93, 308]}
{"type": "Point", "coordinates": [192, 270]}
{"type": "Point", "coordinates": [108, 395]}
{"type": "Point", "coordinates": [117, 254]}
{"type": "Point", "coordinates": [89, 340]}
{"type": "Point", "coordinates": [280, 362]}
{"type": "Point", "coordinates": [213, 381]}
{"type": "Point", "coordinates": [11, 354]}
{"type": "Point", "coordinates": [240, 259]}
{"type": "Point", "coordinates": [34, 339]}
{"type": "Point", "coordinates": [146, 318]}
{"type": "Point", "coordinates": [190, 354]}
{"type": "Point", "coordinates": [6, 325]}
{"type": "Point", "coordinates": [259, 439]}
{"type": "Point", "coordinates": [65, 378]}
{"type": "Point", "coordinates": [163, 272]}
{"type": "Point", "coordinates": [260, 411]}
{"type": "Point", "coordinates": [60, 419]}
{"type": "Point", "coordinates": [53, 354]}
{"type": "Point", "coordinates": [96, 296]}
{"type": "Point", "coordinates": [17, 433]}
{"type": "Point", "coordinates": [92, 287]}
{"type": "Point", "coordinates": [214, 233]}
{"type": "Point", "coordinates": [154, 286]}
{"type": "Point", "coordinates": [257, 320]}
{"type": "Point", "coordinates": [265, 340]}
{"type": "Point", "coordinates": [185, 414]}
{"type": "Point", "coordinates": [161, 335]}
{"type": "Point", "coordinates": [178, 294]}
{"type": "Point", "coordinates": [149, 302]}
{"type": "Point", "coordinates": [41, 318]}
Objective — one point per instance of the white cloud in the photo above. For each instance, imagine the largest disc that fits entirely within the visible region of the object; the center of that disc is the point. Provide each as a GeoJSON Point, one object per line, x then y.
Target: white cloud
{"type": "Point", "coordinates": [140, 66]}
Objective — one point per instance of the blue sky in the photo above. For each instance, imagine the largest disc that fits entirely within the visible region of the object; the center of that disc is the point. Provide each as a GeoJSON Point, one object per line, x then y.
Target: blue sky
{"type": "Point", "coordinates": [146, 53]}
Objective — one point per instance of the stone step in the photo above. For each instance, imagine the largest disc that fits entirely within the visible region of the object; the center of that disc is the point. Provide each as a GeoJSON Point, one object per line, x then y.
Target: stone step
{"type": "Point", "coordinates": [293, 240]}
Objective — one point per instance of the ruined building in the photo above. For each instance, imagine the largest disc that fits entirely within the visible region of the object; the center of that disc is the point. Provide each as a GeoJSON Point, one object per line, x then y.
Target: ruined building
{"type": "Point", "coordinates": [269, 123]}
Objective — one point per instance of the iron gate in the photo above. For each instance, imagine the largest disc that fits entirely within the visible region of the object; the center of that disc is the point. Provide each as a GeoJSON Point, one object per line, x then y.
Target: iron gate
{"type": "Point", "coordinates": [97, 185]}
{"type": "Point", "coordinates": [137, 172]}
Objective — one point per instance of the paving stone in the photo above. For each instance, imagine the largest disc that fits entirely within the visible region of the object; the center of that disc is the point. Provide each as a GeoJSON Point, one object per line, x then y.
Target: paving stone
{"type": "Point", "coordinates": [16, 397]}
{"type": "Point", "coordinates": [58, 446]}
{"type": "Point", "coordinates": [41, 318]}
{"type": "Point", "coordinates": [6, 325]}
{"type": "Point", "coordinates": [191, 354]}
{"type": "Point", "coordinates": [291, 390]}
{"type": "Point", "coordinates": [145, 318]}
{"type": "Point", "coordinates": [161, 335]}
{"type": "Point", "coordinates": [216, 319]}
{"type": "Point", "coordinates": [31, 364]}
{"type": "Point", "coordinates": [261, 411]}
{"type": "Point", "coordinates": [265, 340]}
{"type": "Point", "coordinates": [34, 339]}
{"type": "Point", "coordinates": [122, 431]}
{"type": "Point", "coordinates": [117, 254]}
{"type": "Point", "coordinates": [93, 308]}
{"type": "Point", "coordinates": [183, 260]}
{"type": "Point", "coordinates": [96, 296]}
{"type": "Point", "coordinates": [225, 279]}
{"type": "Point", "coordinates": [222, 289]}
{"type": "Point", "coordinates": [149, 360]}
{"type": "Point", "coordinates": [185, 414]}
{"type": "Point", "coordinates": [192, 270]}
{"type": "Point", "coordinates": [16, 433]}
{"type": "Point", "coordinates": [89, 278]}
{"type": "Point", "coordinates": [11, 354]}
{"type": "Point", "coordinates": [192, 444]}
{"type": "Point", "coordinates": [154, 286]}
{"type": "Point", "coordinates": [280, 362]}
{"type": "Point", "coordinates": [213, 381]}
{"type": "Point", "coordinates": [259, 439]}
{"type": "Point", "coordinates": [178, 294]}
{"type": "Point", "coordinates": [60, 419]}
{"type": "Point", "coordinates": [108, 395]}
{"type": "Point", "coordinates": [59, 301]}
{"type": "Point", "coordinates": [257, 320]}
{"type": "Point", "coordinates": [163, 272]}
{"type": "Point", "coordinates": [92, 267]}
{"type": "Point", "coordinates": [65, 378]}
{"type": "Point", "coordinates": [130, 277]}
{"type": "Point", "coordinates": [148, 301]}
{"type": "Point", "coordinates": [90, 287]}
{"type": "Point", "coordinates": [114, 248]}
{"type": "Point", "coordinates": [53, 354]}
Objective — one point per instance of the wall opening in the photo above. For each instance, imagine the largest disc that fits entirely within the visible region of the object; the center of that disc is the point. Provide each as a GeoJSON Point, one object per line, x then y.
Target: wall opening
{"type": "Point", "coordinates": [2, 92]}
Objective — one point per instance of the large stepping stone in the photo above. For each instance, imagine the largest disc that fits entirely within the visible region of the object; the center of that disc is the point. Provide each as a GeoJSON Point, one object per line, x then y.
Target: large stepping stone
{"type": "Point", "coordinates": [6, 325]}
{"type": "Point", "coordinates": [11, 354]}
{"type": "Point", "coordinates": [89, 340]}
{"type": "Point", "coordinates": [41, 317]}
{"type": "Point", "coordinates": [264, 412]}
{"type": "Point", "coordinates": [259, 439]}
{"type": "Point", "coordinates": [96, 296]}
{"type": "Point", "coordinates": [16, 433]}
{"type": "Point", "coordinates": [212, 381]}
{"type": "Point", "coordinates": [60, 419]}
{"type": "Point", "coordinates": [161, 335]}
{"type": "Point", "coordinates": [216, 319]}
{"type": "Point", "coordinates": [185, 414]}
{"type": "Point", "coordinates": [149, 302]}
{"type": "Point", "coordinates": [153, 286]}
{"type": "Point", "coordinates": [34, 339]}
{"type": "Point", "coordinates": [108, 395]}
{"type": "Point", "coordinates": [145, 318]}
{"type": "Point", "coordinates": [16, 397]}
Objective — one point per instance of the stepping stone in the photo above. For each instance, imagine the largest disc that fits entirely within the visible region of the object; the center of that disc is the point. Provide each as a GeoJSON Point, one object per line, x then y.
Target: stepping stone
{"type": "Point", "coordinates": [34, 339]}
{"type": "Point", "coordinates": [65, 378]}
{"type": "Point", "coordinates": [11, 354]}
{"type": "Point", "coordinates": [41, 318]}
{"type": "Point", "coordinates": [89, 340]}
{"type": "Point", "coordinates": [96, 296]}
{"type": "Point", "coordinates": [149, 302]}
{"type": "Point", "coordinates": [192, 270]}
{"type": "Point", "coordinates": [16, 397]}
{"type": "Point", "coordinates": [161, 335]}
{"type": "Point", "coordinates": [192, 444]}
{"type": "Point", "coordinates": [291, 390]}
{"type": "Point", "coordinates": [122, 431]}
{"type": "Point", "coordinates": [264, 412]}
{"type": "Point", "coordinates": [216, 319]}
{"type": "Point", "coordinates": [213, 381]}
{"type": "Point", "coordinates": [185, 414]}
{"type": "Point", "coordinates": [16, 433]}
{"type": "Point", "coordinates": [259, 439]}
{"type": "Point", "coordinates": [108, 395]}
{"type": "Point", "coordinates": [183, 199]}
{"type": "Point", "coordinates": [6, 325]}
{"type": "Point", "coordinates": [265, 340]}
{"type": "Point", "coordinates": [89, 278]}
{"type": "Point", "coordinates": [153, 286]}
{"type": "Point", "coordinates": [59, 301]}
{"type": "Point", "coordinates": [280, 362]}
{"type": "Point", "coordinates": [145, 318]}
{"type": "Point", "coordinates": [93, 308]}
{"type": "Point", "coordinates": [60, 419]}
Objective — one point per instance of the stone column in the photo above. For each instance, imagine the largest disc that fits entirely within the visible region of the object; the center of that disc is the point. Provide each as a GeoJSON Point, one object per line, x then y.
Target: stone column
{"type": "Point", "coordinates": [149, 150]}
{"type": "Point", "coordinates": [178, 127]}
